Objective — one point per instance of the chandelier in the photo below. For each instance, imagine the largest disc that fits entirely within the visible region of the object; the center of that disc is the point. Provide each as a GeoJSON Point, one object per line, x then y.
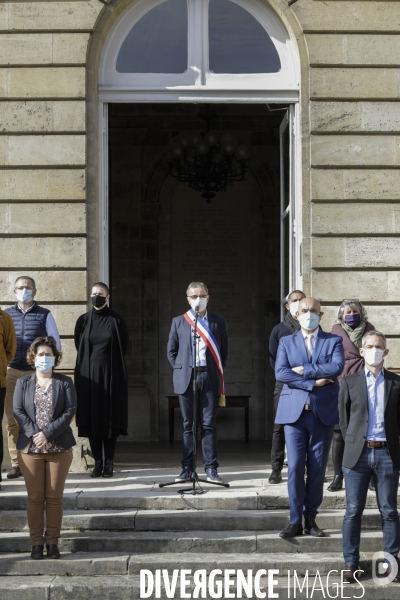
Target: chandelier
{"type": "Point", "coordinates": [208, 162]}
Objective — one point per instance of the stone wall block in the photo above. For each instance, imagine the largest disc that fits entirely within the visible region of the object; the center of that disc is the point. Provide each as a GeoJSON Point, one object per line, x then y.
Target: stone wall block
{"type": "Point", "coordinates": [355, 252]}
{"type": "Point", "coordinates": [352, 150]}
{"type": "Point", "coordinates": [347, 16]}
{"type": "Point", "coordinates": [47, 252]}
{"type": "Point", "coordinates": [3, 17]}
{"type": "Point", "coordinates": [26, 49]}
{"type": "Point", "coordinates": [354, 116]}
{"type": "Point", "coordinates": [47, 218]}
{"type": "Point", "coordinates": [353, 83]}
{"type": "Point", "coordinates": [42, 116]}
{"type": "Point", "coordinates": [66, 316]}
{"type": "Point", "coordinates": [68, 354]}
{"type": "Point", "coordinates": [44, 150]}
{"type": "Point", "coordinates": [41, 184]}
{"type": "Point", "coordinates": [46, 82]}
{"type": "Point", "coordinates": [70, 48]}
{"type": "Point", "coordinates": [353, 184]}
{"type": "Point", "coordinates": [373, 286]}
{"type": "Point", "coordinates": [54, 15]}
{"type": "Point", "coordinates": [4, 210]}
{"type": "Point", "coordinates": [354, 219]}
{"type": "Point", "coordinates": [52, 286]}
{"type": "Point", "coordinates": [353, 49]}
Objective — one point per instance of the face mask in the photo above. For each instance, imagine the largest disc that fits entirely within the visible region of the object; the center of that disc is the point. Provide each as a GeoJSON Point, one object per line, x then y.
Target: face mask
{"type": "Point", "coordinates": [98, 301]}
{"type": "Point", "coordinates": [44, 364]}
{"type": "Point", "coordinates": [201, 302]}
{"type": "Point", "coordinates": [308, 320]}
{"type": "Point", "coordinates": [373, 356]}
{"type": "Point", "coordinates": [352, 320]}
{"type": "Point", "coordinates": [294, 307]}
{"type": "Point", "coordinates": [24, 295]}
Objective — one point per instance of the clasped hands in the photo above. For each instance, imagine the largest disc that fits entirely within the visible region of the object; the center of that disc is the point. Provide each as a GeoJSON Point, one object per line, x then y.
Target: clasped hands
{"type": "Point", "coordinates": [40, 441]}
{"type": "Point", "coordinates": [317, 382]}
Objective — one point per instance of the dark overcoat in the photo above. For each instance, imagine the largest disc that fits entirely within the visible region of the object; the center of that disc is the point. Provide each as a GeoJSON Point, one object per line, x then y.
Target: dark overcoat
{"type": "Point", "coordinates": [118, 384]}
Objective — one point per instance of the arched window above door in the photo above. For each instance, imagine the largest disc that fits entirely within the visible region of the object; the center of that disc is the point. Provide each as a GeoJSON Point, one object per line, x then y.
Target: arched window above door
{"type": "Point", "coordinates": [201, 44]}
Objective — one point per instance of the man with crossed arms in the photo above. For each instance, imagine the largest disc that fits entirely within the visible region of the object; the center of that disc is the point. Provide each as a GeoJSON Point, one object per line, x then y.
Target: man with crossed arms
{"type": "Point", "coordinates": [308, 363]}
{"type": "Point", "coordinates": [209, 377]}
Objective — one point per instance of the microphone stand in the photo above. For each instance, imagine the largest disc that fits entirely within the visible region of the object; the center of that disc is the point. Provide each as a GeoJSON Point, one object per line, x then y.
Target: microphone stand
{"type": "Point", "coordinates": [195, 478]}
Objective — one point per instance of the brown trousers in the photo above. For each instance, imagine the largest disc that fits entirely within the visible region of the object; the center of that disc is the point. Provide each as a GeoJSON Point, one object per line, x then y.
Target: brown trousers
{"type": "Point", "coordinates": [45, 476]}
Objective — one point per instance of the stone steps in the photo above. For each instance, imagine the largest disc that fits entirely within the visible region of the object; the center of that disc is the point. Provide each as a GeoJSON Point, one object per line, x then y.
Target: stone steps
{"type": "Point", "coordinates": [91, 563]}
{"type": "Point", "coordinates": [192, 542]}
{"type": "Point", "coordinates": [127, 588]}
{"type": "Point", "coordinates": [182, 520]}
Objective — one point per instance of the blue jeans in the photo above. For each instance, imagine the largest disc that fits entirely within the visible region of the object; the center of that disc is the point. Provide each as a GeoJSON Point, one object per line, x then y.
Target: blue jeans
{"type": "Point", "coordinates": [378, 462]}
{"type": "Point", "coordinates": [207, 419]}
{"type": "Point", "coordinates": [308, 442]}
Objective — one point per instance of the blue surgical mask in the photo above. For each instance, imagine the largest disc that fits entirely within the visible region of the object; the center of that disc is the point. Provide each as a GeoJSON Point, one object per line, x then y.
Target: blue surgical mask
{"type": "Point", "coordinates": [24, 295]}
{"type": "Point", "coordinates": [308, 320]}
{"type": "Point", "coordinates": [44, 364]}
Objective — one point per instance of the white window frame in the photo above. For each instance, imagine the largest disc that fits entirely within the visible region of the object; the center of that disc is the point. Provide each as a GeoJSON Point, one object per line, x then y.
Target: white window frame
{"type": "Point", "coordinates": [197, 74]}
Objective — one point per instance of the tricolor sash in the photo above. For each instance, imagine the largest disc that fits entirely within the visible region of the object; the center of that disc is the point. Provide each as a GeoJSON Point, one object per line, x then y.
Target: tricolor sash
{"type": "Point", "coordinates": [209, 339]}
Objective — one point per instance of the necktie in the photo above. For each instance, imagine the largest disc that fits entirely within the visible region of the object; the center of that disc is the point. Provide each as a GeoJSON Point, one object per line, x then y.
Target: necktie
{"type": "Point", "coordinates": [309, 346]}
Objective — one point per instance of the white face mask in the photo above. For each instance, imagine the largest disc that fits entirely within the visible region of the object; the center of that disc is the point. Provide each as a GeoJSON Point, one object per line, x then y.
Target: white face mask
{"type": "Point", "coordinates": [201, 302]}
{"type": "Point", "coordinates": [373, 356]}
{"type": "Point", "coordinates": [24, 295]}
{"type": "Point", "coordinates": [294, 307]}
{"type": "Point", "coordinates": [308, 320]}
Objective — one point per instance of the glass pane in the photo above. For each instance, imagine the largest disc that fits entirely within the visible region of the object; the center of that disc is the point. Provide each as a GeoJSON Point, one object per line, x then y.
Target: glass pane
{"type": "Point", "coordinates": [158, 42]}
{"type": "Point", "coordinates": [238, 43]}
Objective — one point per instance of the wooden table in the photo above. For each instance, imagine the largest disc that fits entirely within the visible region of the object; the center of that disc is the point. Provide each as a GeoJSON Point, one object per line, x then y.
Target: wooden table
{"type": "Point", "coordinates": [231, 402]}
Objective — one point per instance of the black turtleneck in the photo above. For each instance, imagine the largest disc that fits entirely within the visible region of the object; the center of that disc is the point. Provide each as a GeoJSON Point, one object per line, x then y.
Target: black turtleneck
{"type": "Point", "coordinates": [100, 336]}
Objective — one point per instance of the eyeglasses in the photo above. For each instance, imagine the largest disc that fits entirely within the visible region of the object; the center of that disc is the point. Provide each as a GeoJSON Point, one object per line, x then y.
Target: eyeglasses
{"type": "Point", "coordinates": [24, 287]}
{"type": "Point", "coordinates": [195, 297]}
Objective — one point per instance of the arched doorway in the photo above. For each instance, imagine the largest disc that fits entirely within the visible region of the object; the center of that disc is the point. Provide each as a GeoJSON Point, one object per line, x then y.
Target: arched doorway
{"type": "Point", "coordinates": [235, 56]}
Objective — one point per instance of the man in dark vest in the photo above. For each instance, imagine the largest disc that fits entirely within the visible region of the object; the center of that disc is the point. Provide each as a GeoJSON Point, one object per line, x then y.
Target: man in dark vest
{"type": "Point", "coordinates": [288, 326]}
{"type": "Point", "coordinates": [30, 321]}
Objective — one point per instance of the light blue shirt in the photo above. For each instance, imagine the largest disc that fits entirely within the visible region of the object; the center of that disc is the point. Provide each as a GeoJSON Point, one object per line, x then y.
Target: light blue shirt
{"type": "Point", "coordinates": [376, 406]}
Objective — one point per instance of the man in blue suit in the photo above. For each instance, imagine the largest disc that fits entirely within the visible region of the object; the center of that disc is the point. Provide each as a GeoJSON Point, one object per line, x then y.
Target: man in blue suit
{"type": "Point", "coordinates": [209, 378]}
{"type": "Point", "coordinates": [308, 363]}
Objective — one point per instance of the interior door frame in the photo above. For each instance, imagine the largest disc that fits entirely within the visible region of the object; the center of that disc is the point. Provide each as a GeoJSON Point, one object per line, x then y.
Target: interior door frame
{"type": "Point", "coordinates": [212, 97]}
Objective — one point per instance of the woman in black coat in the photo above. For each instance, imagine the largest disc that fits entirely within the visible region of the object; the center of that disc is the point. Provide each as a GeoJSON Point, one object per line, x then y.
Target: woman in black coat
{"type": "Point", "coordinates": [101, 339]}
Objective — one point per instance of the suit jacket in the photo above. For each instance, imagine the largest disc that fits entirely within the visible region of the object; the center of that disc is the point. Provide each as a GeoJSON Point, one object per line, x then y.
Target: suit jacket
{"type": "Point", "coordinates": [353, 411]}
{"type": "Point", "coordinates": [327, 362]}
{"type": "Point", "coordinates": [180, 352]}
{"type": "Point", "coordinates": [64, 408]}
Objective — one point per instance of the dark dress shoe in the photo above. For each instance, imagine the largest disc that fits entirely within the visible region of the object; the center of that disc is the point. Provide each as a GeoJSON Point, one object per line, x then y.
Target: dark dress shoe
{"type": "Point", "coordinates": [311, 528]}
{"type": "Point", "coordinates": [291, 531]}
{"type": "Point", "coordinates": [98, 469]}
{"type": "Point", "coordinates": [37, 552]}
{"type": "Point", "coordinates": [52, 551]}
{"type": "Point", "coordinates": [371, 485]}
{"type": "Point", "coordinates": [337, 484]}
{"type": "Point", "coordinates": [108, 470]}
{"type": "Point", "coordinates": [348, 573]}
{"type": "Point", "coordinates": [275, 476]}
{"type": "Point", "coordinates": [14, 472]}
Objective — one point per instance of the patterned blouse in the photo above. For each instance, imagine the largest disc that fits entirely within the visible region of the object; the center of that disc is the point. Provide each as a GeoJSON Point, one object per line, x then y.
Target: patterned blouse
{"type": "Point", "coordinates": [43, 402]}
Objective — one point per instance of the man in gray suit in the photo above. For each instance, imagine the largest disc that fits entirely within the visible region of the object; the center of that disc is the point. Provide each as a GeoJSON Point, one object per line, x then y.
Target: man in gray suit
{"type": "Point", "coordinates": [211, 356]}
{"type": "Point", "coordinates": [369, 409]}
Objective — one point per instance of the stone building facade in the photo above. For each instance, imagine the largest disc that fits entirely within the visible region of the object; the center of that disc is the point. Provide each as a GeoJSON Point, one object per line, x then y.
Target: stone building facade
{"type": "Point", "coordinates": [348, 182]}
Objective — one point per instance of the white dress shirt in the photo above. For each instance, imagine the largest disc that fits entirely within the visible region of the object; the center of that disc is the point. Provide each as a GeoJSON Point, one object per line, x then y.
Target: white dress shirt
{"type": "Point", "coordinates": [201, 348]}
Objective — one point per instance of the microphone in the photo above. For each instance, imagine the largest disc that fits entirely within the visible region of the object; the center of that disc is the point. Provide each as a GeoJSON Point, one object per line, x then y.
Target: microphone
{"type": "Point", "coordinates": [197, 308]}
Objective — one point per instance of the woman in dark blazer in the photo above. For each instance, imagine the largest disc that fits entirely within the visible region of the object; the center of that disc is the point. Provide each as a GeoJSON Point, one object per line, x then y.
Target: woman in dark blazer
{"type": "Point", "coordinates": [102, 340]}
{"type": "Point", "coordinates": [351, 325]}
{"type": "Point", "coordinates": [44, 406]}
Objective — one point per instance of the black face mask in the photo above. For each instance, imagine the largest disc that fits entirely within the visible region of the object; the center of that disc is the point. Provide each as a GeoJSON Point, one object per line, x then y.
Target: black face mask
{"type": "Point", "coordinates": [98, 301]}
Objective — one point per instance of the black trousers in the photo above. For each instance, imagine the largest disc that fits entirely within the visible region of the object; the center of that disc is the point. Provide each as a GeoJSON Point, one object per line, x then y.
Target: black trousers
{"type": "Point", "coordinates": [109, 445]}
{"type": "Point", "coordinates": [2, 397]}
{"type": "Point", "coordinates": [278, 434]}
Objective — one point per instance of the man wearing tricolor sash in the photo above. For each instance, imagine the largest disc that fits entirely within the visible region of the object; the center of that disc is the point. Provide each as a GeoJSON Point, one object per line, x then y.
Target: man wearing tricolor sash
{"type": "Point", "coordinates": [210, 358]}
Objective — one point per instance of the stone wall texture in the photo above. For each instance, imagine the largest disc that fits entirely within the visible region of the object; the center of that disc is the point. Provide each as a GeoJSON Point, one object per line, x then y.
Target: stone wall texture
{"type": "Point", "coordinates": [350, 123]}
